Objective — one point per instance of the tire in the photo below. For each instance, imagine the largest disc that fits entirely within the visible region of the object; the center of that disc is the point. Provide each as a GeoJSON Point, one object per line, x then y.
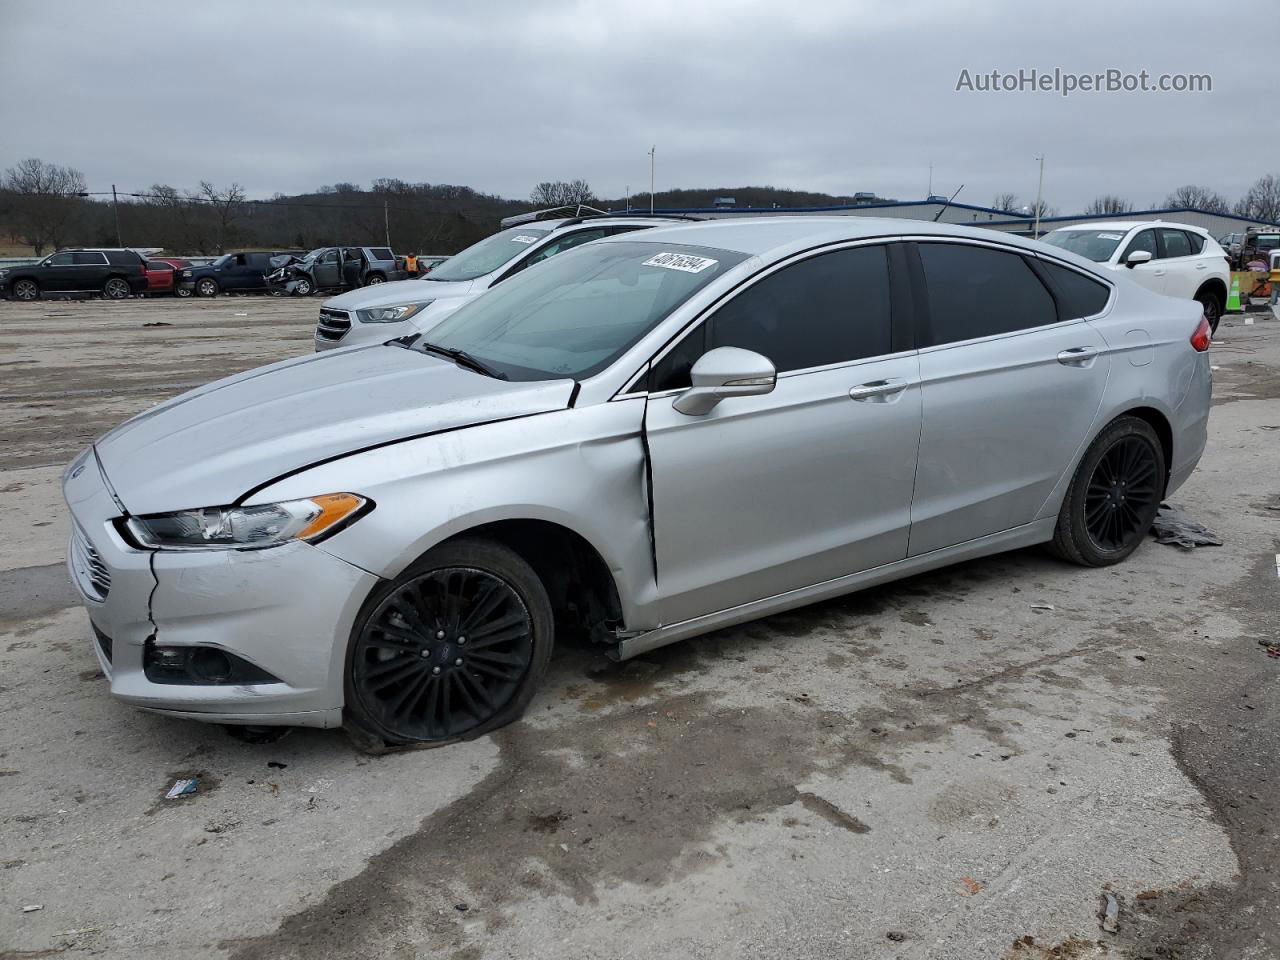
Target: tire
{"type": "Point", "coordinates": [1113, 497]}
{"type": "Point", "coordinates": [207, 287]}
{"type": "Point", "coordinates": [303, 288]}
{"type": "Point", "coordinates": [116, 288]}
{"type": "Point", "coordinates": [374, 279]}
{"type": "Point", "coordinates": [26, 290]}
{"type": "Point", "coordinates": [181, 292]}
{"type": "Point", "coordinates": [414, 677]}
{"type": "Point", "coordinates": [1212, 308]}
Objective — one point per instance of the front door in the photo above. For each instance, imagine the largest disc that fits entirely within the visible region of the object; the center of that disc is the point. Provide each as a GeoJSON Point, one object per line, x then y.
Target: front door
{"type": "Point", "coordinates": [811, 482]}
{"type": "Point", "coordinates": [327, 271]}
{"type": "Point", "coordinates": [1011, 384]}
{"type": "Point", "coordinates": [1152, 273]}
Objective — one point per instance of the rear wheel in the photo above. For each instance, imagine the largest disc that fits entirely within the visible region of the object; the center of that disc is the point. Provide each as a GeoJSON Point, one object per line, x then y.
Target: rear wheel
{"type": "Point", "coordinates": [116, 288]}
{"type": "Point", "coordinates": [26, 290]}
{"type": "Point", "coordinates": [1212, 307]}
{"type": "Point", "coordinates": [1114, 495]}
{"type": "Point", "coordinates": [182, 291]}
{"type": "Point", "coordinates": [206, 287]}
{"type": "Point", "coordinates": [452, 648]}
{"type": "Point", "coordinates": [373, 279]}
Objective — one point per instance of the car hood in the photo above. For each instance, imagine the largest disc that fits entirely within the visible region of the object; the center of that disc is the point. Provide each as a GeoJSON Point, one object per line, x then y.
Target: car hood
{"type": "Point", "coordinates": [399, 291]}
{"type": "Point", "coordinates": [213, 445]}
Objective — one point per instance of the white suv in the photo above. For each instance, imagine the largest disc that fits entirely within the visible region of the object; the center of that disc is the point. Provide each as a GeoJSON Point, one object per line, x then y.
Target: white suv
{"type": "Point", "coordinates": [1175, 259]}
{"type": "Point", "coordinates": [391, 310]}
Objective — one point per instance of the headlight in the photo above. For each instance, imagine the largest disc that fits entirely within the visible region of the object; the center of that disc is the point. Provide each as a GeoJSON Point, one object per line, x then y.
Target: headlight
{"type": "Point", "coordinates": [186, 273]}
{"type": "Point", "coordinates": [241, 528]}
{"type": "Point", "coordinates": [4, 273]}
{"type": "Point", "coordinates": [401, 311]}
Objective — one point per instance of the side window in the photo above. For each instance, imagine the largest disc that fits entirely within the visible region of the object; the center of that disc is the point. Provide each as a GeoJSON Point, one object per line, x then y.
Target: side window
{"type": "Point", "coordinates": [158, 265]}
{"type": "Point", "coordinates": [60, 260]}
{"type": "Point", "coordinates": [563, 244]}
{"type": "Point", "coordinates": [1146, 240]}
{"type": "Point", "coordinates": [831, 308]}
{"type": "Point", "coordinates": [979, 292]}
{"type": "Point", "coordinates": [88, 259]}
{"type": "Point", "coordinates": [1078, 296]}
{"type": "Point", "coordinates": [628, 228]}
{"type": "Point", "coordinates": [672, 371]}
{"type": "Point", "coordinates": [329, 256]}
{"type": "Point", "coordinates": [1175, 243]}
{"type": "Point", "coordinates": [381, 253]}
{"type": "Point", "coordinates": [1196, 241]}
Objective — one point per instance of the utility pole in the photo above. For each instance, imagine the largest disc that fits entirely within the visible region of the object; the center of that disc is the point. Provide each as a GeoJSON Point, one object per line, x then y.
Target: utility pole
{"type": "Point", "coordinates": [386, 221]}
{"type": "Point", "coordinates": [627, 188]}
{"type": "Point", "coordinates": [1039, 193]}
{"type": "Point", "coordinates": [930, 193]}
{"type": "Point", "coordinates": [115, 206]}
{"type": "Point", "coordinates": [652, 151]}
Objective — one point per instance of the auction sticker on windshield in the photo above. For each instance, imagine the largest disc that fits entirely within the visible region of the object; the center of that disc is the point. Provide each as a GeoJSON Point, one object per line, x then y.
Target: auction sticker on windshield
{"type": "Point", "coordinates": [524, 238]}
{"type": "Point", "coordinates": [680, 261]}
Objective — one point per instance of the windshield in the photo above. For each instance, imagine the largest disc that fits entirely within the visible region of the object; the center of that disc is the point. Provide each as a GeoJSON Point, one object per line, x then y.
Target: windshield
{"type": "Point", "coordinates": [222, 261]}
{"type": "Point", "coordinates": [579, 311]}
{"type": "Point", "coordinates": [489, 254]}
{"type": "Point", "coordinates": [1095, 245]}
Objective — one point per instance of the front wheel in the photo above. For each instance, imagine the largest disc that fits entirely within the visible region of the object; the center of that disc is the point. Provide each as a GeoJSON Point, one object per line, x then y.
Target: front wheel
{"type": "Point", "coordinates": [452, 648]}
{"type": "Point", "coordinates": [26, 290]}
{"type": "Point", "coordinates": [206, 287]}
{"type": "Point", "coordinates": [303, 288]}
{"type": "Point", "coordinates": [1114, 495]}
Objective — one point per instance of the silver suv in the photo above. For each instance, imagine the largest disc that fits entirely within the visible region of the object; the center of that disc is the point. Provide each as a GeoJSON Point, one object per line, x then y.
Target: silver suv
{"type": "Point", "coordinates": [396, 309]}
{"type": "Point", "coordinates": [648, 438]}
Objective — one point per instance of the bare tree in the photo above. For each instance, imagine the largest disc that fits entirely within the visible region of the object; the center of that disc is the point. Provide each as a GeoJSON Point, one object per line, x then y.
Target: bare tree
{"type": "Point", "coordinates": [43, 199]}
{"type": "Point", "coordinates": [1194, 197]}
{"type": "Point", "coordinates": [1262, 202]}
{"type": "Point", "coordinates": [1108, 204]}
{"type": "Point", "coordinates": [1008, 202]}
{"type": "Point", "coordinates": [561, 193]}
{"type": "Point", "coordinates": [228, 206]}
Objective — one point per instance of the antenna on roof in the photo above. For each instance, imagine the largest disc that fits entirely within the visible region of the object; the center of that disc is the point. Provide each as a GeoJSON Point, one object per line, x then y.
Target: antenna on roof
{"type": "Point", "coordinates": [948, 203]}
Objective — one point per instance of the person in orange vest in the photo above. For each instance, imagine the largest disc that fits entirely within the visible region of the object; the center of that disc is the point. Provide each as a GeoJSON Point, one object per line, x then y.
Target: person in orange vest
{"type": "Point", "coordinates": [411, 264]}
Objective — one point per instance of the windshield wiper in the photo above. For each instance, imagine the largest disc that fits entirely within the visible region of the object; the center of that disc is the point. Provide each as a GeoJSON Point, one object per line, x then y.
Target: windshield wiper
{"type": "Point", "coordinates": [464, 359]}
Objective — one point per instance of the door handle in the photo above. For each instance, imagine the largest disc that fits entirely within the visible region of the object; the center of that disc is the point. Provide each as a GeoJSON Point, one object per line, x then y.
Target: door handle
{"type": "Point", "coordinates": [1201, 266]}
{"type": "Point", "coordinates": [1157, 273]}
{"type": "Point", "coordinates": [877, 388]}
{"type": "Point", "coordinates": [1078, 356]}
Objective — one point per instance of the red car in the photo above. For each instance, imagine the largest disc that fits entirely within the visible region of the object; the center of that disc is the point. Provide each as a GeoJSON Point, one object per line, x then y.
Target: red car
{"type": "Point", "coordinates": [161, 274]}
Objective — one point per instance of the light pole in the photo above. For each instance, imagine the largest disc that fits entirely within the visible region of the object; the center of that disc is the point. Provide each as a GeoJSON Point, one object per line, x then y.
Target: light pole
{"type": "Point", "coordinates": [1039, 193]}
{"type": "Point", "coordinates": [652, 151]}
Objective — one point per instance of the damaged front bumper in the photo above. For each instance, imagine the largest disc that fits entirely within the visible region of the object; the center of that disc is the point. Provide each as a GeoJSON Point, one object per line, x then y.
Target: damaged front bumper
{"type": "Point", "coordinates": [287, 610]}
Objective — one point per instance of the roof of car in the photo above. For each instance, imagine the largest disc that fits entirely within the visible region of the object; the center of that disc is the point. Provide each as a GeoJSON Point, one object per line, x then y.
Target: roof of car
{"type": "Point", "coordinates": [1130, 224]}
{"type": "Point", "coordinates": [758, 235]}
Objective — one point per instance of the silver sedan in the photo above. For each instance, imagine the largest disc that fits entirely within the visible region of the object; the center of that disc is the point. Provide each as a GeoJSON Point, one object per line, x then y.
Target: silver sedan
{"type": "Point", "coordinates": [644, 439]}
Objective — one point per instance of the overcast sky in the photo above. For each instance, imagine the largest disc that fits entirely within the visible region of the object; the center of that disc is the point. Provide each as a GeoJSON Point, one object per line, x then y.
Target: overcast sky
{"type": "Point", "coordinates": [831, 96]}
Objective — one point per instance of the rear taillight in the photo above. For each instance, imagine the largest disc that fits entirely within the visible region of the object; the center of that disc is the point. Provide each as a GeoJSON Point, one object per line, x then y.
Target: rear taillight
{"type": "Point", "coordinates": [1201, 339]}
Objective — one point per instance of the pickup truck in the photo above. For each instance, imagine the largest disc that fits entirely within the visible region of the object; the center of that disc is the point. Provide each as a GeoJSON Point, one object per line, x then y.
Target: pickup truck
{"type": "Point", "coordinates": [230, 273]}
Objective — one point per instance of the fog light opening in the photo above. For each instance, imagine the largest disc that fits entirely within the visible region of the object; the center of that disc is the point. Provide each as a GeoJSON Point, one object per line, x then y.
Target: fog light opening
{"type": "Point", "coordinates": [200, 666]}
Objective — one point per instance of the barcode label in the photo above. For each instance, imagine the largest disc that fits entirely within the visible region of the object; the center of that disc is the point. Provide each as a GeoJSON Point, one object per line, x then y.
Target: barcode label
{"type": "Point", "coordinates": [680, 261]}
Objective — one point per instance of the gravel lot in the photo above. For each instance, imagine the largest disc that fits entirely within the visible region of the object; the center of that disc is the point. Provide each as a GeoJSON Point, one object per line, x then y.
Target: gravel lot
{"type": "Point", "coordinates": [931, 769]}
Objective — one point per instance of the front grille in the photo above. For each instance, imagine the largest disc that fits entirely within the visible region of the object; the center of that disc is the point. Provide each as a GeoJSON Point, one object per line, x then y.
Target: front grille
{"type": "Point", "coordinates": [91, 572]}
{"type": "Point", "coordinates": [333, 325]}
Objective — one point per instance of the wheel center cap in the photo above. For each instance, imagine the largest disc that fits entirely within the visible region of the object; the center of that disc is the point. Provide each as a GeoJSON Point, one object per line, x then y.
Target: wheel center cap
{"type": "Point", "coordinates": [444, 653]}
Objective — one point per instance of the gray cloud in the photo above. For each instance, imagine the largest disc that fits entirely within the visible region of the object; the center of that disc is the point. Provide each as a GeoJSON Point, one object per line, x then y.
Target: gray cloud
{"type": "Point", "coordinates": [839, 96]}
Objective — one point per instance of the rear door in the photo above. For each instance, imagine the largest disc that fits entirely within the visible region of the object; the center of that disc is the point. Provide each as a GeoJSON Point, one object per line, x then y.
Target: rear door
{"type": "Point", "coordinates": [1152, 273]}
{"type": "Point", "coordinates": [809, 483]}
{"type": "Point", "coordinates": [256, 268]}
{"type": "Point", "coordinates": [1011, 384]}
{"type": "Point", "coordinates": [1184, 270]}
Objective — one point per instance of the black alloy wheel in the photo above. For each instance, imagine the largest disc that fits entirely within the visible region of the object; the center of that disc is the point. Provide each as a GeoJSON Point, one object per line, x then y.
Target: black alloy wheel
{"type": "Point", "coordinates": [115, 289]}
{"type": "Point", "coordinates": [451, 649]}
{"type": "Point", "coordinates": [26, 290]}
{"type": "Point", "coordinates": [1212, 310]}
{"type": "Point", "coordinates": [1114, 495]}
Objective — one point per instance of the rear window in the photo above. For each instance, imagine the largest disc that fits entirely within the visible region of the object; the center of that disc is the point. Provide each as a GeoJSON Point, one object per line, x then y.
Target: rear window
{"type": "Point", "coordinates": [1078, 296]}
{"type": "Point", "coordinates": [158, 265]}
{"type": "Point", "coordinates": [1175, 243]}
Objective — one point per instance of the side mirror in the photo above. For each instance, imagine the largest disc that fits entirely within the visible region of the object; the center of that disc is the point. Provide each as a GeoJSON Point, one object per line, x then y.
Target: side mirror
{"type": "Point", "coordinates": [1137, 257]}
{"type": "Point", "coordinates": [725, 372]}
